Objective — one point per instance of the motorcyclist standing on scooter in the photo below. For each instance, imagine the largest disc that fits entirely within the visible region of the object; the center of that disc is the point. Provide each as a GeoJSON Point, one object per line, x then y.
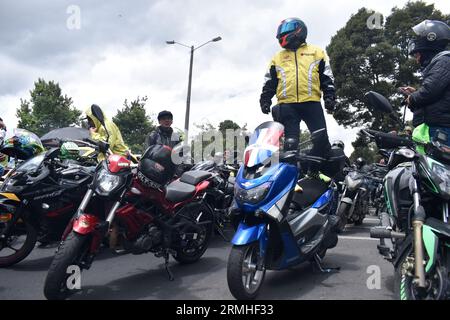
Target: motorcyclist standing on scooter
{"type": "Point", "coordinates": [298, 75]}
{"type": "Point", "coordinates": [430, 104]}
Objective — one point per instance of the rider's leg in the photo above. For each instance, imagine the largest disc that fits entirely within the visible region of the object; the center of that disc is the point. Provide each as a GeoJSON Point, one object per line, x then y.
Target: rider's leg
{"type": "Point", "coordinates": [312, 114]}
{"type": "Point", "coordinates": [290, 119]}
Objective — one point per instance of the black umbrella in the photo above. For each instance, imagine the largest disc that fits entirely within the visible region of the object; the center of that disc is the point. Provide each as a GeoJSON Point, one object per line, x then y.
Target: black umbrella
{"type": "Point", "coordinates": [54, 137]}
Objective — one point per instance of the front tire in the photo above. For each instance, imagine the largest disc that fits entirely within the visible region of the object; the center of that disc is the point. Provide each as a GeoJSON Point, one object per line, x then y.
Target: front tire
{"type": "Point", "coordinates": [342, 214]}
{"type": "Point", "coordinates": [244, 280]}
{"type": "Point", "coordinates": [8, 245]}
{"type": "Point", "coordinates": [69, 252]}
{"type": "Point", "coordinates": [406, 290]}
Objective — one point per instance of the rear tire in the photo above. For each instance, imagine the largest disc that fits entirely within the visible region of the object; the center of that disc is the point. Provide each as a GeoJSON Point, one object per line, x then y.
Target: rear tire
{"type": "Point", "coordinates": [24, 251]}
{"type": "Point", "coordinates": [188, 255]}
{"type": "Point", "coordinates": [69, 251]}
{"type": "Point", "coordinates": [244, 280]}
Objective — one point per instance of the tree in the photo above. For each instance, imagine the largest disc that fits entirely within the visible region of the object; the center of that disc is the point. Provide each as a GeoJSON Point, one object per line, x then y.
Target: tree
{"type": "Point", "coordinates": [211, 139]}
{"type": "Point", "coordinates": [365, 149]}
{"type": "Point", "coordinates": [134, 123]}
{"type": "Point", "coordinates": [47, 109]}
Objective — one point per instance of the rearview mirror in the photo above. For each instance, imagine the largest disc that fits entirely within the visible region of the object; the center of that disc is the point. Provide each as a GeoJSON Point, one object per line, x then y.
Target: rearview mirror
{"type": "Point", "coordinates": [97, 112]}
{"type": "Point", "coordinates": [378, 102]}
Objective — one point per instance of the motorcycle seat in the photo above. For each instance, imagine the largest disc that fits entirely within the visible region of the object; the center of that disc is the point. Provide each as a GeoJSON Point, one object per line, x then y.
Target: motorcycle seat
{"type": "Point", "coordinates": [439, 225]}
{"type": "Point", "coordinates": [178, 191]}
{"type": "Point", "coordinates": [312, 189]}
{"type": "Point", "coordinates": [195, 177]}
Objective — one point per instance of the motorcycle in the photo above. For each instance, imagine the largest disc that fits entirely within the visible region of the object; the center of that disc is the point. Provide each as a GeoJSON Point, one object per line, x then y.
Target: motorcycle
{"type": "Point", "coordinates": [354, 203]}
{"type": "Point", "coordinates": [149, 215]}
{"type": "Point", "coordinates": [282, 221]}
{"type": "Point", "coordinates": [417, 195]}
{"type": "Point", "coordinates": [222, 197]}
{"type": "Point", "coordinates": [36, 201]}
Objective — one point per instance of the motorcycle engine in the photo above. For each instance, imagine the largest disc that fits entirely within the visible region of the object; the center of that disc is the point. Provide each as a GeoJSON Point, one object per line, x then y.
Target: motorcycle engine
{"type": "Point", "coordinates": [150, 238]}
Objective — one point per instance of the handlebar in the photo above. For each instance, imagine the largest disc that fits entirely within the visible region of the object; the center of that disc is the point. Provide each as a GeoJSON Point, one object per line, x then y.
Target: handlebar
{"type": "Point", "coordinates": [387, 140]}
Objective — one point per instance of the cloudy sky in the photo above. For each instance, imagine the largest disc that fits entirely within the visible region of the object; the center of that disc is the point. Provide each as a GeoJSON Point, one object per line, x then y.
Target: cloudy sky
{"type": "Point", "coordinates": [117, 50]}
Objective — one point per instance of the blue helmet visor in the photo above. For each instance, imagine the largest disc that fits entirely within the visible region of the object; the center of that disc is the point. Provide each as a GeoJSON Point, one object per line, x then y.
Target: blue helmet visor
{"type": "Point", "coordinates": [287, 27]}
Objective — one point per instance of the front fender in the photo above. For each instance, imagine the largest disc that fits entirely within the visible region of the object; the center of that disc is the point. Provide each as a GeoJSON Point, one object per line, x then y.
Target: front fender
{"type": "Point", "coordinates": [347, 200]}
{"type": "Point", "coordinates": [430, 241]}
{"type": "Point", "coordinates": [247, 234]}
{"type": "Point", "coordinates": [85, 224]}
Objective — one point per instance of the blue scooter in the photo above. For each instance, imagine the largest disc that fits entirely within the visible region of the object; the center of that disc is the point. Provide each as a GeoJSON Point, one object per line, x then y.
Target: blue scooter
{"type": "Point", "coordinates": [281, 221]}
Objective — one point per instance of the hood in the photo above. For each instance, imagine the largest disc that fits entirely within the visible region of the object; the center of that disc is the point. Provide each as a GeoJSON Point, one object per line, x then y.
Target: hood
{"type": "Point", "coordinates": [93, 112]}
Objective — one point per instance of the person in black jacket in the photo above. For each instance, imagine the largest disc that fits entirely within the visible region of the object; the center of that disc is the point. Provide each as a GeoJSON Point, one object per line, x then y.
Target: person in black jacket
{"type": "Point", "coordinates": [164, 133]}
{"type": "Point", "coordinates": [430, 104]}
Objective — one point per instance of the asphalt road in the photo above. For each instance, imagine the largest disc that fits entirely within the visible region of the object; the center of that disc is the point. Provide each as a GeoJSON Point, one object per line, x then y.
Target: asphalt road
{"type": "Point", "coordinates": [143, 277]}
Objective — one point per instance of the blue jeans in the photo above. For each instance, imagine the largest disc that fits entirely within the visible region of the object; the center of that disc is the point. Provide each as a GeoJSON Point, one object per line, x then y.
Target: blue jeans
{"type": "Point", "coordinates": [446, 130]}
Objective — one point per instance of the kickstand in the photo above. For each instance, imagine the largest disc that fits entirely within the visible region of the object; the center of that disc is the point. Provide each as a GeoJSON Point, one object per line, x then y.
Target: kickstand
{"type": "Point", "coordinates": [166, 266]}
{"type": "Point", "coordinates": [318, 264]}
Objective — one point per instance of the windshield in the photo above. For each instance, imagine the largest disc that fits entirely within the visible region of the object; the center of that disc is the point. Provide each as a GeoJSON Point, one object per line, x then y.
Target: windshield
{"type": "Point", "coordinates": [264, 142]}
{"type": "Point", "coordinates": [32, 164]}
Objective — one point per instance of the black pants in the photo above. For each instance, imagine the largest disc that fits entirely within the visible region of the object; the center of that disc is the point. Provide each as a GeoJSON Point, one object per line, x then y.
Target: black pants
{"type": "Point", "coordinates": [291, 114]}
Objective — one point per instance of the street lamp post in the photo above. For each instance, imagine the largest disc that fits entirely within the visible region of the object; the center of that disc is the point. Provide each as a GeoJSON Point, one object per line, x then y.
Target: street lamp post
{"type": "Point", "coordinates": [188, 99]}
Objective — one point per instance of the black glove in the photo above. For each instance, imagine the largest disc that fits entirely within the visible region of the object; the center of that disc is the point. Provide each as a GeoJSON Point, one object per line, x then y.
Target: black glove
{"type": "Point", "coordinates": [265, 108]}
{"type": "Point", "coordinates": [330, 104]}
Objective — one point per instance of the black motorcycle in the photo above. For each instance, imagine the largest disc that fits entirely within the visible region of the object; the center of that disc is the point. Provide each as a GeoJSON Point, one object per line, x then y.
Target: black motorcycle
{"type": "Point", "coordinates": [37, 200]}
{"type": "Point", "coordinates": [354, 204]}
{"type": "Point", "coordinates": [221, 196]}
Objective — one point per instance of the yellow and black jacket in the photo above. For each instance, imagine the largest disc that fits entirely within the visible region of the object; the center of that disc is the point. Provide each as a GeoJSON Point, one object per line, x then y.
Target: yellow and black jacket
{"type": "Point", "coordinates": [298, 76]}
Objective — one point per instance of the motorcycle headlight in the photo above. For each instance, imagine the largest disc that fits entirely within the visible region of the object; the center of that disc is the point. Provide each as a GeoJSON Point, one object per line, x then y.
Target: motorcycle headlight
{"type": "Point", "coordinates": [444, 175]}
{"type": "Point", "coordinates": [253, 195]}
{"type": "Point", "coordinates": [107, 182]}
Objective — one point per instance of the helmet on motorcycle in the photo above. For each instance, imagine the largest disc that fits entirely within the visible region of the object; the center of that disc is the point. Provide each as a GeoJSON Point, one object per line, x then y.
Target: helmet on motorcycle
{"type": "Point", "coordinates": [339, 144]}
{"type": "Point", "coordinates": [156, 166]}
{"type": "Point", "coordinates": [69, 150]}
{"type": "Point", "coordinates": [360, 162]}
{"type": "Point", "coordinates": [292, 33]}
{"type": "Point", "coordinates": [22, 144]}
{"type": "Point", "coordinates": [430, 35]}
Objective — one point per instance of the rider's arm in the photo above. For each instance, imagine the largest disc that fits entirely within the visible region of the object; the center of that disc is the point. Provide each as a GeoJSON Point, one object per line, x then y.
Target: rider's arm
{"type": "Point", "coordinates": [433, 86]}
{"type": "Point", "coordinates": [326, 79]}
{"type": "Point", "coordinates": [270, 85]}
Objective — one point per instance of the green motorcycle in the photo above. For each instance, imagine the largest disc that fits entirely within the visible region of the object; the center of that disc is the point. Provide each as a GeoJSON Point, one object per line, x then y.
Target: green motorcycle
{"type": "Point", "coordinates": [417, 194]}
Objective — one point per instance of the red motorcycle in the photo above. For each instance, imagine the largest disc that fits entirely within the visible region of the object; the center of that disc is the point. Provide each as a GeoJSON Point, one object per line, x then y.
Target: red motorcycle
{"type": "Point", "coordinates": [147, 214]}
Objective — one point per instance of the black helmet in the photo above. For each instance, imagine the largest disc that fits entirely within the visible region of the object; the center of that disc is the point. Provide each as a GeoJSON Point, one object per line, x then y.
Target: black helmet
{"type": "Point", "coordinates": [164, 114]}
{"type": "Point", "coordinates": [431, 35]}
{"type": "Point", "coordinates": [156, 166]}
{"type": "Point", "coordinates": [338, 143]}
{"type": "Point", "coordinates": [360, 162]}
{"type": "Point", "coordinates": [292, 33]}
